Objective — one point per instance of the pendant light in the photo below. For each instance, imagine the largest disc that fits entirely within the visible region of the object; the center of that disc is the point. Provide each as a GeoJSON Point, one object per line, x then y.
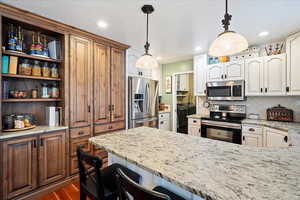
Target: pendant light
{"type": "Point", "coordinates": [147, 61]}
{"type": "Point", "coordinates": [229, 42]}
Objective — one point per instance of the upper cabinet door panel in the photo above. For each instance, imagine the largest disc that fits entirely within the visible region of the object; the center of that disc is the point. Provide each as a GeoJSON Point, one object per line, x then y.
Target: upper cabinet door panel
{"type": "Point", "coordinates": [200, 69]}
{"type": "Point", "coordinates": [101, 83]}
{"type": "Point", "coordinates": [275, 75]}
{"type": "Point", "coordinates": [234, 70]}
{"type": "Point", "coordinates": [254, 76]}
{"type": "Point", "coordinates": [117, 84]}
{"type": "Point", "coordinates": [215, 72]}
{"type": "Point", "coordinates": [293, 64]}
{"type": "Point", "coordinates": [80, 81]}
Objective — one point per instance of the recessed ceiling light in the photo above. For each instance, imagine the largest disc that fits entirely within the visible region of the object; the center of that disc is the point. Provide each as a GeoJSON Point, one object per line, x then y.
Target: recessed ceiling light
{"type": "Point", "coordinates": [264, 33]}
{"type": "Point", "coordinates": [198, 49]}
{"type": "Point", "coordinates": [158, 58]}
{"type": "Point", "coordinates": [102, 24]}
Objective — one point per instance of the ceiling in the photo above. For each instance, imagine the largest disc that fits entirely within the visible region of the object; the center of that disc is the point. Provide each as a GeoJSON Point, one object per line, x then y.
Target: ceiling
{"type": "Point", "coordinates": [177, 27]}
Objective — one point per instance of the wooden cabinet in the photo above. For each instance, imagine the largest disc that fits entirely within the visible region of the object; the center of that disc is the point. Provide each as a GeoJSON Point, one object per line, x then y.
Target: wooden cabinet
{"type": "Point", "coordinates": [254, 79]}
{"type": "Point", "coordinates": [19, 166]}
{"type": "Point", "coordinates": [80, 81]}
{"type": "Point", "coordinates": [102, 85]}
{"type": "Point", "coordinates": [293, 60]}
{"type": "Point", "coordinates": [117, 85]}
{"type": "Point", "coordinates": [226, 71]}
{"type": "Point", "coordinates": [52, 157]}
{"type": "Point", "coordinates": [275, 138]}
{"type": "Point", "coordinates": [200, 70]}
{"type": "Point", "coordinates": [266, 76]}
{"type": "Point", "coordinates": [32, 162]}
{"type": "Point", "coordinates": [275, 75]}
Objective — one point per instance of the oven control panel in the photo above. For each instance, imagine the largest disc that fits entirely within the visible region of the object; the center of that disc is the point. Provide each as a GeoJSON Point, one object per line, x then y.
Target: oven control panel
{"type": "Point", "coordinates": [228, 108]}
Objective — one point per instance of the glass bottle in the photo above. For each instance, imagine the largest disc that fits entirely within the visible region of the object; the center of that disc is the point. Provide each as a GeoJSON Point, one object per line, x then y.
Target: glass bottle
{"type": "Point", "coordinates": [45, 91]}
{"type": "Point", "coordinates": [54, 91]}
{"type": "Point", "coordinates": [46, 70]}
{"type": "Point", "coordinates": [36, 69]}
{"type": "Point", "coordinates": [19, 44]}
{"type": "Point", "coordinates": [11, 39]}
{"type": "Point", "coordinates": [38, 46]}
{"type": "Point", "coordinates": [25, 67]}
{"type": "Point", "coordinates": [45, 49]}
{"type": "Point", "coordinates": [54, 71]}
{"type": "Point", "coordinates": [32, 47]}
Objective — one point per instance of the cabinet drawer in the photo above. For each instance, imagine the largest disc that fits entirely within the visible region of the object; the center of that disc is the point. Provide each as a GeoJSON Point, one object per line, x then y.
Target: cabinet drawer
{"type": "Point", "coordinates": [74, 165]}
{"type": "Point", "coordinates": [80, 132]}
{"type": "Point", "coordinates": [101, 153]}
{"type": "Point", "coordinates": [250, 129]}
{"type": "Point", "coordinates": [194, 122]}
{"type": "Point", "coordinates": [164, 116]}
{"type": "Point", "coordinates": [84, 142]}
{"type": "Point", "coordinates": [109, 127]}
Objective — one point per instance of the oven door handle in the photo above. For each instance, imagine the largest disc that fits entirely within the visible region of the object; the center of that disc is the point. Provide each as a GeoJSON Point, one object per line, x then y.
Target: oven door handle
{"type": "Point", "coordinates": [222, 124]}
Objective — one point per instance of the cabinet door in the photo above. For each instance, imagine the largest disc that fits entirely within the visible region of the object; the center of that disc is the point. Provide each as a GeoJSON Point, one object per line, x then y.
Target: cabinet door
{"type": "Point", "coordinates": [194, 130]}
{"type": "Point", "coordinates": [101, 83]}
{"type": "Point", "coordinates": [234, 70]}
{"type": "Point", "coordinates": [164, 125]}
{"type": "Point", "coordinates": [19, 166]}
{"type": "Point", "coordinates": [293, 60]}
{"type": "Point", "coordinates": [80, 81]}
{"type": "Point", "coordinates": [215, 72]}
{"type": "Point", "coordinates": [52, 157]}
{"type": "Point", "coordinates": [183, 82]}
{"type": "Point", "coordinates": [131, 58]}
{"type": "Point", "coordinates": [200, 69]}
{"type": "Point", "coordinates": [254, 76]}
{"type": "Point", "coordinates": [275, 138]}
{"type": "Point", "coordinates": [252, 140]}
{"type": "Point", "coordinates": [117, 85]}
{"type": "Point", "coordinates": [275, 75]}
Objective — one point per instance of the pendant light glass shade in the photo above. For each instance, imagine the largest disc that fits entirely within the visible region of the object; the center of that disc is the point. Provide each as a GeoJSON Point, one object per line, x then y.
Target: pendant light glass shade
{"type": "Point", "coordinates": [146, 62]}
{"type": "Point", "coordinates": [228, 43]}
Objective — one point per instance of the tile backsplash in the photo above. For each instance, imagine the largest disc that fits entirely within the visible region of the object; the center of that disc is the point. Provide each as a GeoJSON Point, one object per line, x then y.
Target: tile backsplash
{"type": "Point", "coordinates": [259, 105]}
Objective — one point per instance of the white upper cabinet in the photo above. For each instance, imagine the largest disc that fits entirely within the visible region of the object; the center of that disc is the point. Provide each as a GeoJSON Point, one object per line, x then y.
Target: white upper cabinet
{"type": "Point", "coordinates": [254, 69]}
{"type": "Point", "coordinates": [200, 69]}
{"type": "Point", "coordinates": [226, 71]}
{"type": "Point", "coordinates": [132, 57]}
{"type": "Point", "coordinates": [293, 64]}
{"type": "Point", "coordinates": [183, 82]}
{"type": "Point", "coordinates": [215, 72]}
{"type": "Point", "coordinates": [234, 70]}
{"type": "Point", "coordinates": [275, 75]}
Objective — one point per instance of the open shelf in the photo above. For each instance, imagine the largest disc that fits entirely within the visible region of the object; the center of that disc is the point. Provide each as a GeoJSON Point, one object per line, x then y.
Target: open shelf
{"type": "Point", "coordinates": [30, 100]}
{"type": "Point", "coordinates": [30, 56]}
{"type": "Point", "coordinates": [30, 77]}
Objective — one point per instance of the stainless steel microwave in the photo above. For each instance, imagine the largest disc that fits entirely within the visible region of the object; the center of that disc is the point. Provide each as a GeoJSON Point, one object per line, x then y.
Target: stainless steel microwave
{"type": "Point", "coordinates": [226, 90]}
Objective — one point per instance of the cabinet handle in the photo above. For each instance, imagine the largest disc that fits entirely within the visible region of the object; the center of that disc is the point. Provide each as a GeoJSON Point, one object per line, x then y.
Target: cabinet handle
{"type": "Point", "coordinates": [109, 108]}
{"type": "Point", "coordinates": [243, 137]}
{"type": "Point", "coordinates": [225, 76]}
{"type": "Point", "coordinates": [112, 107]}
{"type": "Point", "coordinates": [204, 91]}
{"type": "Point", "coordinates": [109, 127]}
{"type": "Point", "coordinates": [161, 122]}
{"type": "Point", "coordinates": [80, 133]}
{"type": "Point", "coordinates": [251, 129]}
{"type": "Point", "coordinates": [42, 142]}
{"type": "Point", "coordinates": [89, 108]}
{"type": "Point", "coordinates": [261, 90]}
{"type": "Point", "coordinates": [266, 90]}
{"type": "Point", "coordinates": [287, 89]}
{"type": "Point", "coordinates": [194, 121]}
{"type": "Point", "coordinates": [286, 138]}
{"type": "Point", "coordinates": [222, 76]}
{"type": "Point", "coordinates": [34, 143]}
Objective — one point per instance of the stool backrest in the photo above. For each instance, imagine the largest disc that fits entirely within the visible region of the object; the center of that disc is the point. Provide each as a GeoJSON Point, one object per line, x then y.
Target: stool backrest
{"type": "Point", "coordinates": [128, 189]}
{"type": "Point", "coordinates": [93, 173]}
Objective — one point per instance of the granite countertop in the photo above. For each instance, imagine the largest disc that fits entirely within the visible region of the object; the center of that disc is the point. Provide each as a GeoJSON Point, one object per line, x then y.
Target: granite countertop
{"type": "Point", "coordinates": [285, 126]}
{"type": "Point", "coordinates": [37, 130]}
{"type": "Point", "coordinates": [209, 168]}
{"type": "Point", "coordinates": [198, 116]}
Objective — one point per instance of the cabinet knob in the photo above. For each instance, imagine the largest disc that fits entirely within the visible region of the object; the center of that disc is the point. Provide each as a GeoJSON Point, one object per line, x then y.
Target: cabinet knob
{"type": "Point", "coordinates": [110, 127]}
{"type": "Point", "coordinates": [251, 129]}
{"type": "Point", "coordinates": [222, 76]}
{"type": "Point", "coordinates": [286, 138]}
{"type": "Point", "coordinates": [34, 143]}
{"type": "Point", "coordinates": [243, 137]}
{"type": "Point", "coordinates": [266, 90]}
{"type": "Point", "coordinates": [195, 121]}
{"type": "Point", "coordinates": [161, 122]}
{"type": "Point", "coordinates": [261, 90]}
{"type": "Point", "coordinates": [287, 89]}
{"type": "Point", "coordinates": [225, 76]}
{"type": "Point", "coordinates": [80, 133]}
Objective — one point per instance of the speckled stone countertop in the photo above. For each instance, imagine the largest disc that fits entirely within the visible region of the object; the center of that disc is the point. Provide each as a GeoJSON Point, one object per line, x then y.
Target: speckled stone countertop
{"type": "Point", "coordinates": [285, 126]}
{"type": "Point", "coordinates": [209, 168]}
{"type": "Point", "coordinates": [34, 131]}
{"type": "Point", "coordinates": [198, 116]}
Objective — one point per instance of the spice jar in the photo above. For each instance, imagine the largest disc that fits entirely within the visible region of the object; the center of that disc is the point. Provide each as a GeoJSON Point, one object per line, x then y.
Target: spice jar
{"type": "Point", "coordinates": [54, 71]}
{"type": "Point", "coordinates": [45, 91]}
{"type": "Point", "coordinates": [19, 121]}
{"type": "Point", "coordinates": [54, 91]}
{"type": "Point", "coordinates": [46, 70]}
{"type": "Point", "coordinates": [36, 69]}
{"type": "Point", "coordinates": [34, 93]}
{"type": "Point", "coordinates": [25, 67]}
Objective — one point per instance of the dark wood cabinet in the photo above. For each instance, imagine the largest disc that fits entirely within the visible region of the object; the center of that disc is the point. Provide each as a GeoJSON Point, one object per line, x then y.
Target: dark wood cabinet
{"type": "Point", "coordinates": [117, 84]}
{"type": "Point", "coordinates": [52, 157]}
{"type": "Point", "coordinates": [20, 166]}
{"type": "Point", "coordinates": [101, 84]}
{"type": "Point", "coordinates": [80, 81]}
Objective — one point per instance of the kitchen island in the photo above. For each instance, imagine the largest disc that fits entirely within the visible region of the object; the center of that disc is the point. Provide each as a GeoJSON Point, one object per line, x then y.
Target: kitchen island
{"type": "Point", "coordinates": [208, 169]}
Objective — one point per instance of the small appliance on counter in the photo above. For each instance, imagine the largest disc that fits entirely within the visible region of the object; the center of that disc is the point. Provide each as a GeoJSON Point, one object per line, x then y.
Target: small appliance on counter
{"type": "Point", "coordinates": [54, 116]}
{"type": "Point", "coordinates": [280, 113]}
{"type": "Point", "coordinates": [18, 122]}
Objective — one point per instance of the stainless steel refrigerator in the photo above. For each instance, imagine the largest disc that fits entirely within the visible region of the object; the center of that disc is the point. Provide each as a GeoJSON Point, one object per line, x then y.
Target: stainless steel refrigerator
{"type": "Point", "coordinates": [142, 102]}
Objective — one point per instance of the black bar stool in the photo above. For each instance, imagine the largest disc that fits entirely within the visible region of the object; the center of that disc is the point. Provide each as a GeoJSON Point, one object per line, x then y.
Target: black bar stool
{"type": "Point", "coordinates": [128, 189]}
{"type": "Point", "coordinates": [99, 184]}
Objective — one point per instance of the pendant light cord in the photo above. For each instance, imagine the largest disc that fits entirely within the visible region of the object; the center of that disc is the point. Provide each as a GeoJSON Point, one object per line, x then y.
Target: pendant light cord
{"type": "Point", "coordinates": [147, 45]}
{"type": "Point", "coordinates": [227, 17]}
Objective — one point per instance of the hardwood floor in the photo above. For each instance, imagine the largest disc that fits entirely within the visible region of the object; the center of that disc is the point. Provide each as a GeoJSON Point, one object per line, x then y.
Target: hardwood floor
{"type": "Point", "coordinates": [69, 192]}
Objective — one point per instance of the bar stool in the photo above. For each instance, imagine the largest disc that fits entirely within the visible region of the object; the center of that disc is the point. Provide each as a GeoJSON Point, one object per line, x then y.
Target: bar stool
{"type": "Point", "coordinates": [128, 189]}
{"type": "Point", "coordinates": [99, 184]}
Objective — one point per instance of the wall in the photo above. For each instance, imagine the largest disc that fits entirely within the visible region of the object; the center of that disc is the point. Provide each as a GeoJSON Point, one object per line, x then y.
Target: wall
{"type": "Point", "coordinates": [259, 105]}
{"type": "Point", "coordinates": [169, 70]}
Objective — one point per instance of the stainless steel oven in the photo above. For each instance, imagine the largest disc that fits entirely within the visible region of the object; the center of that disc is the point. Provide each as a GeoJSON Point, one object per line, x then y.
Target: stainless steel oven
{"type": "Point", "coordinates": [226, 90]}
